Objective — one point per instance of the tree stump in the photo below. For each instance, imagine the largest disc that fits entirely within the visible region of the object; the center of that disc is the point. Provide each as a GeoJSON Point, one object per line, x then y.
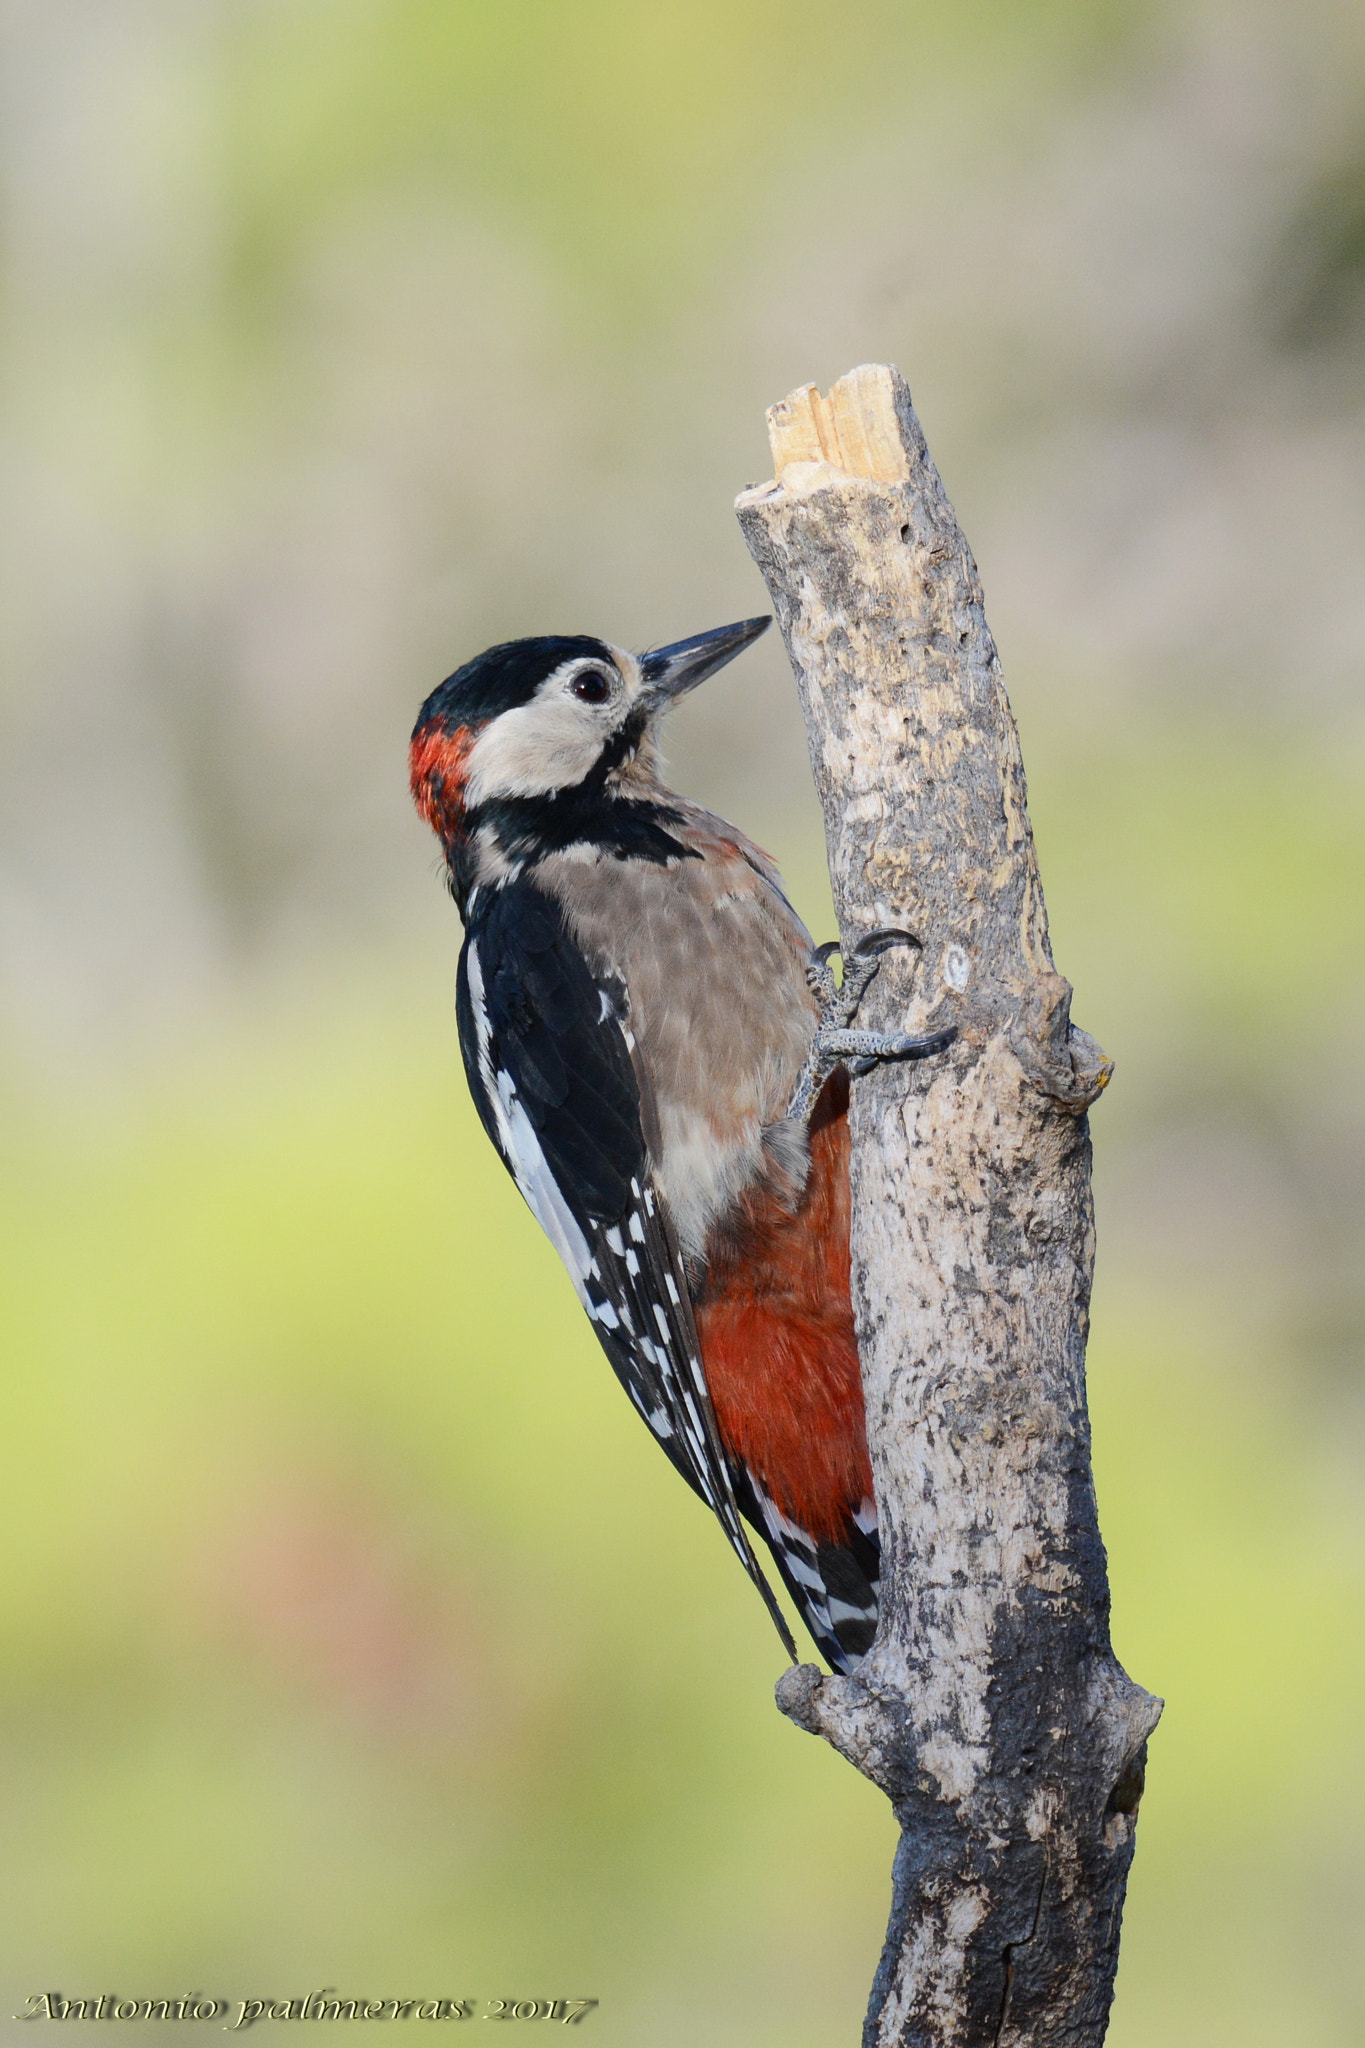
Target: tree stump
{"type": "Point", "coordinates": [991, 1709]}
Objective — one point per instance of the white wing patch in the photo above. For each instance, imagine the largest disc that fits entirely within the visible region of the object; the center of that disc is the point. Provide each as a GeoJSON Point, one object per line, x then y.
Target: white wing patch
{"type": "Point", "coordinates": [521, 1149]}
{"type": "Point", "coordinates": [622, 1274]}
{"type": "Point", "coordinates": [530, 1169]}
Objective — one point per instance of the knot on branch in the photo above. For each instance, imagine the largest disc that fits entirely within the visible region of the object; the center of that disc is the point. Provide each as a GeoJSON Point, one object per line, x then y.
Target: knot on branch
{"type": "Point", "coordinates": [865, 1728]}
{"type": "Point", "coordinates": [1062, 1061]}
{"type": "Point", "coordinates": [1124, 1715]}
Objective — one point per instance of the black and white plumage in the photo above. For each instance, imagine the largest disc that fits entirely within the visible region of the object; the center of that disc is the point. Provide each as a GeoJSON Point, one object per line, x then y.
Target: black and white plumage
{"type": "Point", "coordinates": [637, 1007]}
{"type": "Point", "coordinates": [547, 1049]}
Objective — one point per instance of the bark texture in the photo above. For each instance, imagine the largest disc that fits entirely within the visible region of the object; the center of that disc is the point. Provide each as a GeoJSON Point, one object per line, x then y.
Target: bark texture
{"type": "Point", "coordinates": [991, 1709]}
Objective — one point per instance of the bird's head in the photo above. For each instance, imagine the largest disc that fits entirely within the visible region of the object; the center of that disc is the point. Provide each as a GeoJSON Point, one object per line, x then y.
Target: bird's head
{"type": "Point", "coordinates": [537, 719]}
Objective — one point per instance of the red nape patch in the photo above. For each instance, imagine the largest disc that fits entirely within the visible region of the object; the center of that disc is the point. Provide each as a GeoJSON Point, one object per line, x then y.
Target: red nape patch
{"type": "Point", "coordinates": [777, 1341]}
{"type": "Point", "coordinates": [438, 758]}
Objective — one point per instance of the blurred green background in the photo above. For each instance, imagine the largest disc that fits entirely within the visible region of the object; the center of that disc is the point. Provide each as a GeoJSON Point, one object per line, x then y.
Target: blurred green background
{"type": "Point", "coordinates": [355, 1633]}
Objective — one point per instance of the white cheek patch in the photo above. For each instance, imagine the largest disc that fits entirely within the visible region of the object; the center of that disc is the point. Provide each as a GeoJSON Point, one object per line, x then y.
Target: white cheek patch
{"type": "Point", "coordinates": [550, 743]}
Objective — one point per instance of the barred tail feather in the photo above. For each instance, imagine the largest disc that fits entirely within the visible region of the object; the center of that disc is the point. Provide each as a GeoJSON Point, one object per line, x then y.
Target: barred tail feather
{"type": "Point", "coordinates": [834, 1584]}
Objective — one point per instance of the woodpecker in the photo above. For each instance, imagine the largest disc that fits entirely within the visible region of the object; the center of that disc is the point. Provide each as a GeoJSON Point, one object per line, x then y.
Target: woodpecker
{"type": "Point", "coordinates": [662, 1059]}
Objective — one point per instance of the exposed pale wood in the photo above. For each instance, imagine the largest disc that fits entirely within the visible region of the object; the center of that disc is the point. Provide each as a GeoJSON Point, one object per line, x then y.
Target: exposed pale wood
{"type": "Point", "coordinates": [991, 1709]}
{"type": "Point", "coordinates": [854, 430]}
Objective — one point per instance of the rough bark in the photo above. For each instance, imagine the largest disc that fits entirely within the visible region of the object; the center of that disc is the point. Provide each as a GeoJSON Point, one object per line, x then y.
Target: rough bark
{"type": "Point", "coordinates": [991, 1709]}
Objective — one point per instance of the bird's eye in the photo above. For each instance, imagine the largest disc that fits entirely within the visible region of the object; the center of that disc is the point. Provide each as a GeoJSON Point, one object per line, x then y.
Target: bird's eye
{"type": "Point", "coordinates": [590, 686]}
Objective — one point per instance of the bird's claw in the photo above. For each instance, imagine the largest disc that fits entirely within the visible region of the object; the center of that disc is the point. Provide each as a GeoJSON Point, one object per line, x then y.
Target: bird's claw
{"type": "Point", "coordinates": [834, 1044]}
{"type": "Point", "coordinates": [820, 975]}
{"type": "Point", "coordinates": [839, 1000]}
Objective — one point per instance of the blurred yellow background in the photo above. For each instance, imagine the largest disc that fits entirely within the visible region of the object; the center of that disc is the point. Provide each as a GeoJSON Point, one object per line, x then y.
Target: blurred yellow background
{"type": "Point", "coordinates": [355, 1633]}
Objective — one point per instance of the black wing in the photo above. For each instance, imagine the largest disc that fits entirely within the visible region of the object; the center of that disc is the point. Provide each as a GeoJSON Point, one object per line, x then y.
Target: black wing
{"type": "Point", "coordinates": [547, 1050]}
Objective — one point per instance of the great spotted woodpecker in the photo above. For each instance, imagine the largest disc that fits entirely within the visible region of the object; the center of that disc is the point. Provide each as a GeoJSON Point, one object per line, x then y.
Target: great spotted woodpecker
{"type": "Point", "coordinates": [640, 1013]}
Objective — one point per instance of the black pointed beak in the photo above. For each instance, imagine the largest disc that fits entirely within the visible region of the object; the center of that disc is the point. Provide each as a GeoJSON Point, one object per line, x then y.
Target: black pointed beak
{"type": "Point", "coordinates": [670, 672]}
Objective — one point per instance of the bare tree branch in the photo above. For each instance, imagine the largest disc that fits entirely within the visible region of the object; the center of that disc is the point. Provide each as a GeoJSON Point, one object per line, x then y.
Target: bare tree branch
{"type": "Point", "coordinates": [991, 1710]}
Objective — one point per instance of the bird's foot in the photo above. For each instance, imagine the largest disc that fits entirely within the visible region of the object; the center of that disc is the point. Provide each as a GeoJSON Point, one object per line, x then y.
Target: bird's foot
{"type": "Point", "coordinates": [835, 1045]}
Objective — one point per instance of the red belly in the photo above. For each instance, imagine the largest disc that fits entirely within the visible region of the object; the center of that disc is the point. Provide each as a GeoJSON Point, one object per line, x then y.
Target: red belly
{"type": "Point", "coordinates": [777, 1343]}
